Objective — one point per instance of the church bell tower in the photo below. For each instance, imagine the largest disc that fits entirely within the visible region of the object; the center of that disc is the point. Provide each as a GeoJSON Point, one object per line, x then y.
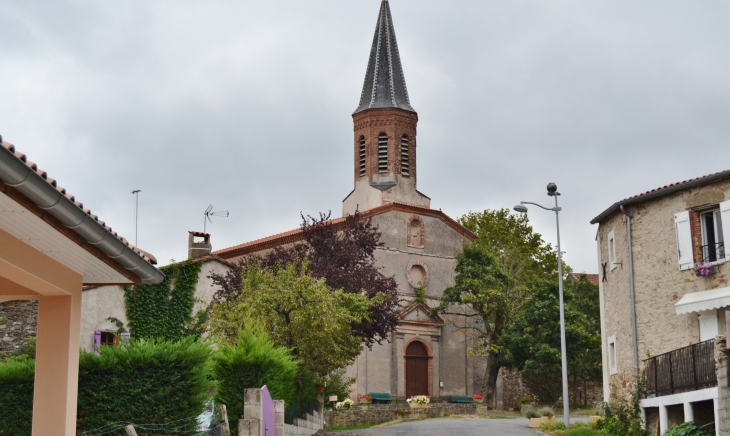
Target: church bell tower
{"type": "Point", "coordinates": [385, 129]}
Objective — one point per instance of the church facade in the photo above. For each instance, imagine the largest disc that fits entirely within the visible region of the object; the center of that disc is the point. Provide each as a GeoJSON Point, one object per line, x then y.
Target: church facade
{"type": "Point", "coordinates": [425, 355]}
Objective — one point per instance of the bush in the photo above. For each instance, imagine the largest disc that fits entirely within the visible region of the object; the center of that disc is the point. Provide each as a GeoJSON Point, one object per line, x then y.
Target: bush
{"type": "Point", "coordinates": [622, 418]}
{"type": "Point", "coordinates": [146, 381]}
{"type": "Point", "coordinates": [687, 429]}
{"type": "Point", "coordinates": [337, 384]}
{"type": "Point", "coordinates": [253, 362]}
{"type": "Point", "coordinates": [547, 412]}
{"type": "Point", "coordinates": [529, 411]}
{"type": "Point", "coordinates": [16, 396]}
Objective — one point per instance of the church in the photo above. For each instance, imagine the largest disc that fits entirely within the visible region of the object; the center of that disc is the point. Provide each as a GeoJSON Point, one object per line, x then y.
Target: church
{"type": "Point", "coordinates": [424, 355]}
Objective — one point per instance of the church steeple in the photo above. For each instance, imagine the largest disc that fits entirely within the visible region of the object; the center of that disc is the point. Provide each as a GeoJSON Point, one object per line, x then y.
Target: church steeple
{"type": "Point", "coordinates": [385, 84]}
{"type": "Point", "coordinates": [385, 129]}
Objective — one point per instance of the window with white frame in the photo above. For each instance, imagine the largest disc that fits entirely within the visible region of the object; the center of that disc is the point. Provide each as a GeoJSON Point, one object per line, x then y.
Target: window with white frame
{"type": "Point", "coordinates": [713, 222]}
{"type": "Point", "coordinates": [612, 356]}
{"type": "Point", "coordinates": [713, 246]}
{"type": "Point", "coordinates": [612, 249]}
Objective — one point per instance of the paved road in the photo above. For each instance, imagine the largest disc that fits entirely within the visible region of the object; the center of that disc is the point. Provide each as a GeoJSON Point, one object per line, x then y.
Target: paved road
{"type": "Point", "coordinates": [451, 427]}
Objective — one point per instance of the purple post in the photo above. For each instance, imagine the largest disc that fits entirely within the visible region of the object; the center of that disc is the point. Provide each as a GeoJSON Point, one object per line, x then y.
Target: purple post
{"type": "Point", "coordinates": [268, 412]}
{"type": "Point", "coordinates": [97, 342]}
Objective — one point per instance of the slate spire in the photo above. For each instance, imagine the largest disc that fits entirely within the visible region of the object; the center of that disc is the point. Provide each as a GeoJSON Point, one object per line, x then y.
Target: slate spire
{"type": "Point", "coordinates": [385, 84]}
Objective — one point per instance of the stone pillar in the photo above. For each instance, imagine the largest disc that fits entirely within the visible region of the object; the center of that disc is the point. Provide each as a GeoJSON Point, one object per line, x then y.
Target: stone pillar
{"type": "Point", "coordinates": [689, 413]}
{"type": "Point", "coordinates": [401, 364]}
{"type": "Point", "coordinates": [279, 408]}
{"type": "Point", "coordinates": [250, 425]}
{"type": "Point", "coordinates": [722, 403]}
{"type": "Point", "coordinates": [663, 419]}
{"type": "Point", "coordinates": [435, 369]}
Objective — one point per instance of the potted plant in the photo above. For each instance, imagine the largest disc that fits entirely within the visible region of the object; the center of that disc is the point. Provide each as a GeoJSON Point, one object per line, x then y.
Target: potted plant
{"type": "Point", "coordinates": [704, 270]}
{"type": "Point", "coordinates": [345, 404]}
{"type": "Point", "coordinates": [418, 402]}
{"type": "Point", "coordinates": [478, 399]}
{"type": "Point", "coordinates": [530, 412]}
{"type": "Point", "coordinates": [364, 399]}
{"type": "Point", "coordinates": [548, 414]}
{"type": "Point", "coordinates": [320, 389]}
{"type": "Point", "coordinates": [598, 414]}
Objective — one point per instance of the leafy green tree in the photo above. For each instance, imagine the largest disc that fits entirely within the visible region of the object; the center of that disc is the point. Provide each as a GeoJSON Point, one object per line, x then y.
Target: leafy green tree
{"type": "Point", "coordinates": [531, 343]}
{"type": "Point", "coordinates": [483, 287]}
{"type": "Point", "coordinates": [493, 275]}
{"type": "Point", "coordinates": [585, 300]}
{"type": "Point", "coordinates": [300, 313]}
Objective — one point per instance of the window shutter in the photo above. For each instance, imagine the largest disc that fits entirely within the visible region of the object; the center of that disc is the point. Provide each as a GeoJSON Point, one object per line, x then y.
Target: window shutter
{"type": "Point", "coordinates": [684, 240]}
{"type": "Point", "coordinates": [725, 221]}
{"type": "Point", "coordinates": [97, 342]}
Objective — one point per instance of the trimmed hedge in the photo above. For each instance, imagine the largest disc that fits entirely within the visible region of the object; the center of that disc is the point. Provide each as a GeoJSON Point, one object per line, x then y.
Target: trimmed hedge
{"type": "Point", "coordinates": [252, 363]}
{"type": "Point", "coordinates": [144, 382]}
{"type": "Point", "coordinates": [148, 381]}
{"type": "Point", "coordinates": [16, 396]}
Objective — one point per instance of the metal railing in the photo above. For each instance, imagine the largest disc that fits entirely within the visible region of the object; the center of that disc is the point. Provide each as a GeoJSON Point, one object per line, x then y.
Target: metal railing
{"type": "Point", "coordinates": [682, 370]}
{"type": "Point", "coordinates": [713, 252]}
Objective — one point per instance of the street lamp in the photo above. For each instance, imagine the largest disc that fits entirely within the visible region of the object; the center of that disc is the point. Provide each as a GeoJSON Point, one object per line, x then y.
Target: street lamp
{"type": "Point", "coordinates": [552, 189]}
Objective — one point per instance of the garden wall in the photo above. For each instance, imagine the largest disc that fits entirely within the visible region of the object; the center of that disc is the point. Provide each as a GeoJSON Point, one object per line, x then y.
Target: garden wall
{"type": "Point", "coordinates": [360, 414]}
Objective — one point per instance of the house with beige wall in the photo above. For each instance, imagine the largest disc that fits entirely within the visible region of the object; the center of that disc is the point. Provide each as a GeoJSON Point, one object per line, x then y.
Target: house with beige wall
{"type": "Point", "coordinates": [660, 315]}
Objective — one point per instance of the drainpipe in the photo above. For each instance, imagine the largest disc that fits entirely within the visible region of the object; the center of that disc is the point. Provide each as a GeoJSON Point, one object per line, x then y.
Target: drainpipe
{"type": "Point", "coordinates": [631, 291]}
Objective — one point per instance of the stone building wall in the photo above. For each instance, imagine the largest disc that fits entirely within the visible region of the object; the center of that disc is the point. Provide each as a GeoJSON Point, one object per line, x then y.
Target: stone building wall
{"type": "Point", "coordinates": [659, 283]}
{"type": "Point", "coordinates": [19, 320]}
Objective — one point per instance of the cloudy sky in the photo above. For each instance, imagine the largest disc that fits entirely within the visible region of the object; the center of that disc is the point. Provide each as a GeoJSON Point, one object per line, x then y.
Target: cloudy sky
{"type": "Point", "coordinates": [247, 105]}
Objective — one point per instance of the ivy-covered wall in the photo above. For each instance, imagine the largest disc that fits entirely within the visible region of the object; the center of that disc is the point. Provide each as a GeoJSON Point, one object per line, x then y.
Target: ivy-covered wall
{"type": "Point", "coordinates": [165, 310]}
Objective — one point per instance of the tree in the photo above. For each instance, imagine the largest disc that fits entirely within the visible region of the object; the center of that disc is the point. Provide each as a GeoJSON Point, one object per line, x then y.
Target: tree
{"type": "Point", "coordinates": [493, 275]}
{"type": "Point", "coordinates": [299, 313]}
{"type": "Point", "coordinates": [483, 287]}
{"type": "Point", "coordinates": [342, 253]}
{"type": "Point", "coordinates": [532, 345]}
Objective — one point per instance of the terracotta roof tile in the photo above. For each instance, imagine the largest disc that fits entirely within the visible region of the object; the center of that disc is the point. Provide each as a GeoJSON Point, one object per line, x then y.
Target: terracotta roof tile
{"type": "Point", "coordinates": [33, 166]}
{"type": "Point", "coordinates": [296, 235]}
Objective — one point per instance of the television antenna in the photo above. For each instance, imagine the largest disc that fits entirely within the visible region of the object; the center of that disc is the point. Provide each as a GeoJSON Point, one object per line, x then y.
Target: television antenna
{"type": "Point", "coordinates": [209, 213]}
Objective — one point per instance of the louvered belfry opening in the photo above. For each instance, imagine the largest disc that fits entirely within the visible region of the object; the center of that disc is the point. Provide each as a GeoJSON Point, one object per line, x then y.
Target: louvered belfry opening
{"type": "Point", "coordinates": [405, 168]}
{"type": "Point", "coordinates": [383, 153]}
{"type": "Point", "coordinates": [362, 157]}
{"type": "Point", "coordinates": [417, 360]}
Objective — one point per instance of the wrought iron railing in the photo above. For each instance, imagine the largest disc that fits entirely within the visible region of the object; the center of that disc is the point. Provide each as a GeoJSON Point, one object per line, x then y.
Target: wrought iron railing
{"type": "Point", "coordinates": [713, 252]}
{"type": "Point", "coordinates": [682, 370]}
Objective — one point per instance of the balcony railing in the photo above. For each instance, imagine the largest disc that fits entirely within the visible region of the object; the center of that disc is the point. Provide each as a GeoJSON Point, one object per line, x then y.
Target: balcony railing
{"type": "Point", "coordinates": [713, 253]}
{"type": "Point", "coordinates": [682, 370]}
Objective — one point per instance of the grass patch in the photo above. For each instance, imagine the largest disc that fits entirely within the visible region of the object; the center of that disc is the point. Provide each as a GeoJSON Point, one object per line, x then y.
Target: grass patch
{"type": "Point", "coordinates": [345, 428]}
{"type": "Point", "coordinates": [577, 429]}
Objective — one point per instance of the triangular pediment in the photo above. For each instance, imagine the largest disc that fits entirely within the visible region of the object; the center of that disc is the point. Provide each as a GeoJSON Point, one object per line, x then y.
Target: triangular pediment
{"type": "Point", "coordinates": [419, 313]}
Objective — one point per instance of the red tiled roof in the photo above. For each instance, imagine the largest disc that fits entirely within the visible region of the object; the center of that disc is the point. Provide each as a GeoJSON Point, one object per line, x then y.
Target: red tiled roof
{"type": "Point", "coordinates": [32, 165]}
{"type": "Point", "coordinates": [661, 191]}
{"type": "Point", "coordinates": [593, 278]}
{"type": "Point", "coordinates": [294, 236]}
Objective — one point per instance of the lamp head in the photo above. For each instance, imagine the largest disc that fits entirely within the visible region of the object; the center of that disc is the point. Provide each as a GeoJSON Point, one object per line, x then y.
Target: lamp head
{"type": "Point", "coordinates": [521, 208]}
{"type": "Point", "coordinates": [552, 189]}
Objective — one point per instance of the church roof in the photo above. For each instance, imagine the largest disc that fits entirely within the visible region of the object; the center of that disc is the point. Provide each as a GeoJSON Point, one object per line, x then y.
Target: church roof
{"type": "Point", "coordinates": [385, 84]}
{"type": "Point", "coordinates": [297, 235]}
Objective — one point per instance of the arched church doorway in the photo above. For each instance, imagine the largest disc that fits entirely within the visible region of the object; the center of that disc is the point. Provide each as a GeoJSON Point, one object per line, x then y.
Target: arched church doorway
{"type": "Point", "coordinates": [417, 361]}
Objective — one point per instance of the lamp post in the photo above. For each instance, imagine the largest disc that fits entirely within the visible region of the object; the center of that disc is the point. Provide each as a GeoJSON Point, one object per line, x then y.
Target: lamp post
{"type": "Point", "coordinates": [552, 189]}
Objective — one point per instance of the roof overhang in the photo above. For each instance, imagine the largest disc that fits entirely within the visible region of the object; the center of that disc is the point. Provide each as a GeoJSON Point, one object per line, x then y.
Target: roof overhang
{"type": "Point", "coordinates": [35, 211]}
{"type": "Point", "coordinates": [660, 193]}
{"type": "Point", "coordinates": [705, 300]}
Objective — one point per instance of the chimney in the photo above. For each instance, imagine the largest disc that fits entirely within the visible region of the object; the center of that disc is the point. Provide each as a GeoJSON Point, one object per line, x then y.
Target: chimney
{"type": "Point", "coordinates": [198, 248]}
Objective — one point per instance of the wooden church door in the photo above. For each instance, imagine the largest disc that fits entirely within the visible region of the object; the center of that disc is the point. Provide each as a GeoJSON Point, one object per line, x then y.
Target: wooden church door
{"type": "Point", "coordinates": [416, 369]}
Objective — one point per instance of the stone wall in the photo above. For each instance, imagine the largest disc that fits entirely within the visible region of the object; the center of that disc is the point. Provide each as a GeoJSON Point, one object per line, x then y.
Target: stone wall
{"type": "Point", "coordinates": [511, 388]}
{"type": "Point", "coordinates": [19, 323]}
{"type": "Point", "coordinates": [380, 413]}
{"type": "Point", "coordinates": [723, 386]}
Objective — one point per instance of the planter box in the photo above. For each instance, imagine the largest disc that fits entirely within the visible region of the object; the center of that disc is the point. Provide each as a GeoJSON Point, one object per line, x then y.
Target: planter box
{"type": "Point", "coordinates": [415, 405]}
{"type": "Point", "coordinates": [479, 401]}
{"type": "Point", "coordinates": [537, 422]}
{"type": "Point", "coordinates": [364, 401]}
{"type": "Point", "coordinates": [712, 271]}
{"type": "Point", "coordinates": [596, 418]}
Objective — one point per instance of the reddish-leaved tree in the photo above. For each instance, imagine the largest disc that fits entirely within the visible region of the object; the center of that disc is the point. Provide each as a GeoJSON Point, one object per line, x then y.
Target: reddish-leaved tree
{"type": "Point", "coordinates": [343, 253]}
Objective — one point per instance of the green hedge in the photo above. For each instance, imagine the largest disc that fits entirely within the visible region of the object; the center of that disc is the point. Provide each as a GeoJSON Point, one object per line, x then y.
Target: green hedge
{"type": "Point", "coordinates": [145, 382]}
{"type": "Point", "coordinates": [16, 396]}
{"type": "Point", "coordinates": [252, 363]}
